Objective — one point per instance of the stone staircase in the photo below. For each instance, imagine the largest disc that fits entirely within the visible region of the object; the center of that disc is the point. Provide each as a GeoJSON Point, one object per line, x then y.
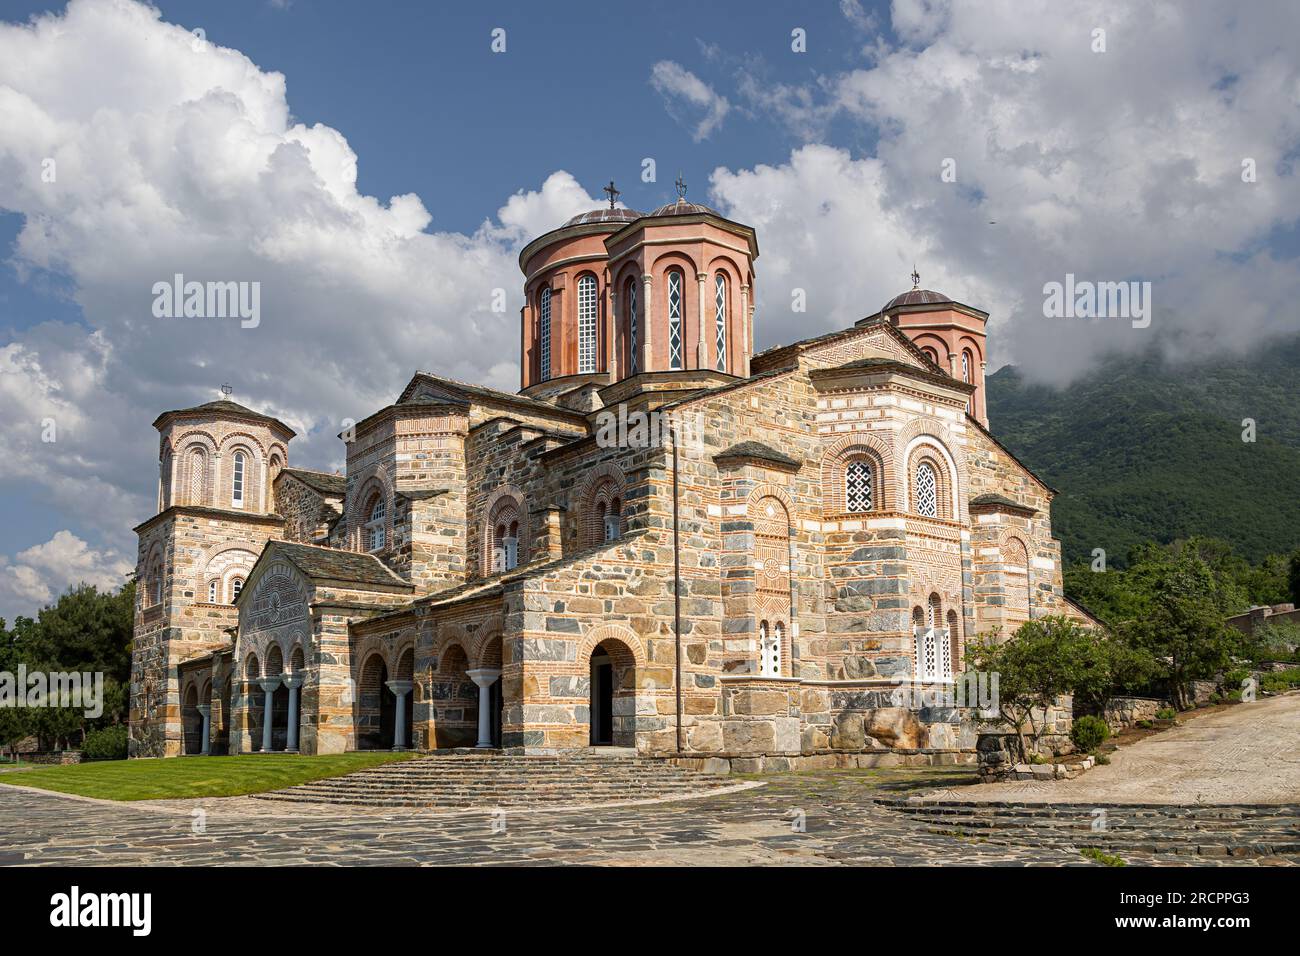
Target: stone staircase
{"type": "Point", "coordinates": [1132, 831]}
{"type": "Point", "coordinates": [463, 780]}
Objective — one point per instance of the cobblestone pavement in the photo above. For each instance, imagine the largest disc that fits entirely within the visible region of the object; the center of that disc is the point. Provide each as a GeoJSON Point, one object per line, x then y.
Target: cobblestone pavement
{"type": "Point", "coordinates": [843, 826]}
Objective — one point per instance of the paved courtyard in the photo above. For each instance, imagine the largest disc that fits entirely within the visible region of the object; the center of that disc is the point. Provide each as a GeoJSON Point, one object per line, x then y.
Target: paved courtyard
{"type": "Point", "coordinates": [842, 825]}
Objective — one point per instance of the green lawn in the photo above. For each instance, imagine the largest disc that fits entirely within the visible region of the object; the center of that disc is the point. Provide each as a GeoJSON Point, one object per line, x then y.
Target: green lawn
{"type": "Point", "coordinates": [179, 777]}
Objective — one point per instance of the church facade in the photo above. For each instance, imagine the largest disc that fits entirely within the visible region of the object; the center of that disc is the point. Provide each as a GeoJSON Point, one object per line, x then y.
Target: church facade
{"type": "Point", "coordinates": [663, 541]}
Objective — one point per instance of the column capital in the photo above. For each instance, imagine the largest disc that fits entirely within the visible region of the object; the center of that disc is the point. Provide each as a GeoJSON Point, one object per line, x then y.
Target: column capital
{"type": "Point", "coordinates": [400, 687]}
{"type": "Point", "coordinates": [484, 677]}
{"type": "Point", "coordinates": [269, 684]}
{"type": "Point", "coordinates": [204, 710]}
{"type": "Point", "coordinates": [292, 681]}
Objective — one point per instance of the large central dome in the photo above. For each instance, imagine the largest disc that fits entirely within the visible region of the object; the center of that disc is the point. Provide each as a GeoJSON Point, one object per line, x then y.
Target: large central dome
{"type": "Point", "coordinates": [604, 215]}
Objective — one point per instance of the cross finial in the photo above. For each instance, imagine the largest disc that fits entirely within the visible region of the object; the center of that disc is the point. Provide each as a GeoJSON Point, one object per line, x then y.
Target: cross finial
{"type": "Point", "coordinates": [612, 193]}
{"type": "Point", "coordinates": [681, 186]}
{"type": "Point", "coordinates": [916, 278]}
{"type": "Point", "coordinates": [226, 390]}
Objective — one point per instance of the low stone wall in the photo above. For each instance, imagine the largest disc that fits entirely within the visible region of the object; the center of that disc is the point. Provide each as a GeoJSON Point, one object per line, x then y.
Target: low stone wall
{"type": "Point", "coordinates": [1124, 712]}
{"type": "Point", "coordinates": [996, 763]}
{"type": "Point", "coordinates": [52, 757]}
{"type": "Point", "coordinates": [1200, 692]}
{"type": "Point", "coordinates": [826, 760]}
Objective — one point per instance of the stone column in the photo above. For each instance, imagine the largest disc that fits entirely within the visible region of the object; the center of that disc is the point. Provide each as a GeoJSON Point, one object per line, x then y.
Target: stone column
{"type": "Point", "coordinates": [484, 677]}
{"type": "Point", "coordinates": [647, 323]}
{"type": "Point", "coordinates": [293, 682]}
{"type": "Point", "coordinates": [206, 711]}
{"type": "Point", "coordinates": [400, 689]}
{"type": "Point", "coordinates": [702, 343]}
{"type": "Point", "coordinates": [269, 686]}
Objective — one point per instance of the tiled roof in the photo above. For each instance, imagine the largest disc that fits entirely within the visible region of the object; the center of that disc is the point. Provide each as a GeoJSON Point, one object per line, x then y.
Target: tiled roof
{"type": "Point", "coordinates": [334, 564]}
{"type": "Point", "coordinates": [1000, 501]}
{"type": "Point", "coordinates": [604, 215]}
{"type": "Point", "coordinates": [223, 406]}
{"type": "Point", "coordinates": [758, 451]}
{"type": "Point", "coordinates": [323, 482]}
{"type": "Point", "coordinates": [683, 208]}
{"type": "Point", "coordinates": [918, 297]}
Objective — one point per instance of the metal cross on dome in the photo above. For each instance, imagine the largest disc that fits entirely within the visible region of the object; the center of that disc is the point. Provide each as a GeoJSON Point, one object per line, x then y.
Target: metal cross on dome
{"type": "Point", "coordinates": [681, 187]}
{"type": "Point", "coordinates": [612, 193]}
{"type": "Point", "coordinates": [226, 390]}
{"type": "Point", "coordinates": [916, 278]}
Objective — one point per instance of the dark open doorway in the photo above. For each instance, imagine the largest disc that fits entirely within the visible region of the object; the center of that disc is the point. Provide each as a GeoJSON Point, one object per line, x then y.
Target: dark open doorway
{"type": "Point", "coordinates": [602, 700]}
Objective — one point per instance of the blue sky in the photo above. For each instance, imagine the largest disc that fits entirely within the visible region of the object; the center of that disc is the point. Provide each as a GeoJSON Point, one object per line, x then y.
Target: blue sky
{"type": "Point", "coordinates": [1118, 163]}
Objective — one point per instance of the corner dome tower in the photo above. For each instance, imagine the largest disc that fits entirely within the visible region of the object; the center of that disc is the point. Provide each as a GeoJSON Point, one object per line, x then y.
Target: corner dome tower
{"type": "Point", "coordinates": [614, 293]}
{"type": "Point", "coordinates": [950, 333]}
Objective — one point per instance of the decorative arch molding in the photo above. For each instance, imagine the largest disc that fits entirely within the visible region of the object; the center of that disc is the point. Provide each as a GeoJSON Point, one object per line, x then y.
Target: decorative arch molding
{"type": "Point", "coordinates": [374, 481]}
{"type": "Point", "coordinates": [195, 436]}
{"type": "Point", "coordinates": [923, 434]}
{"type": "Point", "coordinates": [966, 342]}
{"type": "Point", "coordinates": [500, 500]}
{"type": "Point", "coordinates": [244, 438]}
{"type": "Point", "coordinates": [368, 647]}
{"type": "Point", "coordinates": [767, 489]}
{"type": "Point", "coordinates": [835, 459]}
{"type": "Point", "coordinates": [604, 484]}
{"type": "Point", "coordinates": [617, 632]}
{"type": "Point", "coordinates": [485, 653]}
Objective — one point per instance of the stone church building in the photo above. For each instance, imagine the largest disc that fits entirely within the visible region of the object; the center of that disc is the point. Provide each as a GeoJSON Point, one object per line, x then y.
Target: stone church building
{"type": "Point", "coordinates": [497, 569]}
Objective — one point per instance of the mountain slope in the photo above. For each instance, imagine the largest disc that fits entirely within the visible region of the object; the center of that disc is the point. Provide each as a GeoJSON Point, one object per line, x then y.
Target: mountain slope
{"type": "Point", "coordinates": [1140, 450]}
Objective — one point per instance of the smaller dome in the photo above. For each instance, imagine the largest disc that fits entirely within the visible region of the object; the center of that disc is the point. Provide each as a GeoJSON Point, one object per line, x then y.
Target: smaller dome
{"type": "Point", "coordinates": [917, 297]}
{"type": "Point", "coordinates": [683, 208]}
{"type": "Point", "coordinates": [604, 214]}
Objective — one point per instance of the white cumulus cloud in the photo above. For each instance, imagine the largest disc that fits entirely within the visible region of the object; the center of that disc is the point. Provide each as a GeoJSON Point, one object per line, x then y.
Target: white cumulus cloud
{"type": "Point", "coordinates": [680, 89]}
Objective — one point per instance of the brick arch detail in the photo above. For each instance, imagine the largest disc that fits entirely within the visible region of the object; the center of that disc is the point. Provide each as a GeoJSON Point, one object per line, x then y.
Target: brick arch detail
{"type": "Point", "coordinates": [590, 530]}
{"type": "Point", "coordinates": [500, 494]}
{"type": "Point", "coordinates": [373, 480]}
{"type": "Point", "coordinates": [484, 654]}
{"type": "Point", "coordinates": [929, 433]}
{"type": "Point", "coordinates": [836, 458]}
{"type": "Point", "coordinates": [618, 632]}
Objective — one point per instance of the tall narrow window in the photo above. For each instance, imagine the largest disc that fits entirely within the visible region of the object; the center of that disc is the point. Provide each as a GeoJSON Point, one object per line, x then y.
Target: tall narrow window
{"type": "Point", "coordinates": [674, 319]}
{"type": "Point", "coordinates": [212, 592]}
{"type": "Point", "coordinates": [237, 486]}
{"type": "Point", "coordinates": [633, 359]}
{"type": "Point", "coordinates": [965, 377]}
{"type": "Point", "coordinates": [613, 521]}
{"type": "Point", "coordinates": [769, 649]}
{"type": "Point", "coordinates": [544, 337]}
{"type": "Point", "coordinates": [510, 547]}
{"type": "Point", "coordinates": [857, 485]}
{"type": "Point", "coordinates": [587, 324]}
{"type": "Point", "coordinates": [198, 475]}
{"type": "Point", "coordinates": [720, 317]}
{"type": "Point", "coordinates": [927, 492]}
{"type": "Point", "coordinates": [375, 527]}
{"type": "Point", "coordinates": [235, 587]}
{"type": "Point", "coordinates": [934, 611]}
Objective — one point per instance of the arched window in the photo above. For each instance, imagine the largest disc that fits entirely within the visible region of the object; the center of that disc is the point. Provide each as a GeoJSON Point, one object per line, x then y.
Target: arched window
{"type": "Point", "coordinates": [506, 552]}
{"type": "Point", "coordinates": [859, 486]}
{"type": "Point", "coordinates": [544, 337]}
{"type": "Point", "coordinates": [934, 611]}
{"type": "Point", "coordinates": [198, 469]}
{"type": "Point", "coordinates": [212, 591]}
{"type": "Point", "coordinates": [674, 319]}
{"type": "Point", "coordinates": [237, 482]}
{"type": "Point", "coordinates": [633, 360]}
{"type": "Point", "coordinates": [918, 617]}
{"type": "Point", "coordinates": [720, 317]}
{"type": "Point", "coordinates": [769, 649]}
{"type": "Point", "coordinates": [587, 324]}
{"type": "Point", "coordinates": [376, 525]}
{"type": "Point", "coordinates": [966, 363]}
{"type": "Point", "coordinates": [613, 520]}
{"type": "Point", "coordinates": [157, 585]}
{"type": "Point", "coordinates": [932, 355]}
{"type": "Point", "coordinates": [236, 586]}
{"type": "Point", "coordinates": [926, 492]}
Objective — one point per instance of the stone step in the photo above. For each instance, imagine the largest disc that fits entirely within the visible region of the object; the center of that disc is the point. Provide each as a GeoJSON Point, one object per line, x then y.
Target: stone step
{"type": "Point", "coordinates": [476, 779]}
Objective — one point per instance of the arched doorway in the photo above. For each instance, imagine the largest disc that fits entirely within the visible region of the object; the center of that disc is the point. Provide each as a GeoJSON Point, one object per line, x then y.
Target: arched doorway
{"type": "Point", "coordinates": [192, 721]}
{"type": "Point", "coordinates": [279, 700]}
{"type": "Point", "coordinates": [376, 706]}
{"type": "Point", "coordinates": [406, 672]}
{"type": "Point", "coordinates": [253, 700]}
{"type": "Point", "coordinates": [612, 670]}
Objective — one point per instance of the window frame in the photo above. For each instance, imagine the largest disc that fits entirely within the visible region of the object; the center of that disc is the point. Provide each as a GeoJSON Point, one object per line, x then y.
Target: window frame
{"type": "Point", "coordinates": [676, 284]}
{"type": "Point", "coordinates": [544, 335]}
{"type": "Point", "coordinates": [588, 321]}
{"type": "Point", "coordinates": [238, 479]}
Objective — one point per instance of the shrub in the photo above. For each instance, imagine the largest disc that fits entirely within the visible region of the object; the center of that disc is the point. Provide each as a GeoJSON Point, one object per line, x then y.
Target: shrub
{"type": "Point", "coordinates": [107, 743]}
{"type": "Point", "coordinates": [1280, 681]}
{"type": "Point", "coordinates": [1088, 732]}
{"type": "Point", "coordinates": [1234, 697]}
{"type": "Point", "coordinates": [1166, 713]}
{"type": "Point", "coordinates": [1102, 760]}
